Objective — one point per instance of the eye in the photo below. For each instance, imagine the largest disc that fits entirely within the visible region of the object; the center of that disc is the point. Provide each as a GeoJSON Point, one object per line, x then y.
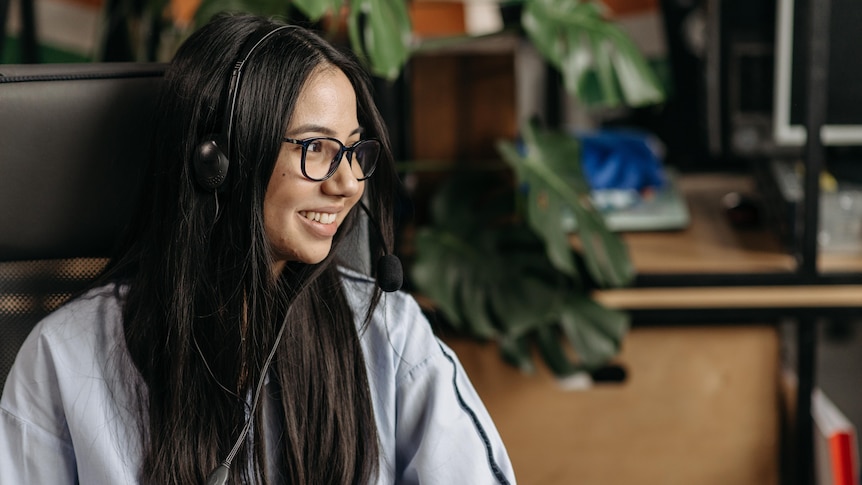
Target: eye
{"type": "Point", "coordinates": [315, 146]}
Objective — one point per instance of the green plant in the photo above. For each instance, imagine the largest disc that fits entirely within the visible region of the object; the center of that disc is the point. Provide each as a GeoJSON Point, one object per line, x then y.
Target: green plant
{"type": "Point", "coordinates": [499, 265]}
{"type": "Point", "coordinates": [599, 63]}
{"type": "Point", "coordinates": [154, 30]}
{"type": "Point", "coordinates": [382, 38]}
{"type": "Point", "coordinates": [519, 280]}
{"type": "Point", "coordinates": [499, 268]}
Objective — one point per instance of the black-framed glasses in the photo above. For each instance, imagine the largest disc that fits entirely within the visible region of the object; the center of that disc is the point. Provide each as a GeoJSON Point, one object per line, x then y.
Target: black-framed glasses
{"type": "Point", "coordinates": [322, 155]}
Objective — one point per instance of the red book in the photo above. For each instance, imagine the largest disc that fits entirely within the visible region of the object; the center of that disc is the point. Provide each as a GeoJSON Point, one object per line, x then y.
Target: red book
{"type": "Point", "coordinates": [835, 443]}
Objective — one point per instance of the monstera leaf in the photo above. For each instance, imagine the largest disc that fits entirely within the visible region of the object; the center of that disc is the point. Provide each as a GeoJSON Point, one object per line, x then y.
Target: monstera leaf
{"type": "Point", "coordinates": [599, 63]}
{"type": "Point", "coordinates": [550, 175]}
{"type": "Point", "coordinates": [490, 276]}
{"type": "Point", "coordinates": [380, 30]}
{"type": "Point", "coordinates": [315, 9]}
{"type": "Point", "coordinates": [208, 8]}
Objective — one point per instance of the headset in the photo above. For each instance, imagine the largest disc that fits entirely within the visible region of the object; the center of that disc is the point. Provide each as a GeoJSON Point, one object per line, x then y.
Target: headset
{"type": "Point", "coordinates": [211, 157]}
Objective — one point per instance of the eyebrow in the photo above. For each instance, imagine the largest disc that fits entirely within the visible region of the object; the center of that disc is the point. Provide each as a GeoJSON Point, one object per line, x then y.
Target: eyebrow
{"type": "Point", "coordinates": [320, 129]}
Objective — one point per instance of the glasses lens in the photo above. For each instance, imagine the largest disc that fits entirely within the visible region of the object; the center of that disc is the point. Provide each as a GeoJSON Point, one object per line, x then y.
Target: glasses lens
{"type": "Point", "coordinates": [365, 155]}
{"type": "Point", "coordinates": [320, 153]}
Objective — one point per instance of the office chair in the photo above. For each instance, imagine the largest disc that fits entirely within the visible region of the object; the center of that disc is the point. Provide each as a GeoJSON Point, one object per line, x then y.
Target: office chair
{"type": "Point", "coordinates": [71, 139]}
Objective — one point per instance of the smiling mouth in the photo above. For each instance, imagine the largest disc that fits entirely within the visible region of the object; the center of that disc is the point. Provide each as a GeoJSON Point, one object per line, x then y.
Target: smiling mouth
{"type": "Point", "coordinates": [321, 217]}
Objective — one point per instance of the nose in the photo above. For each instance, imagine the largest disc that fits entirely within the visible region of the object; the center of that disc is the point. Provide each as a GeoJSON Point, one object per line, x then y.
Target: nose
{"type": "Point", "coordinates": [343, 182]}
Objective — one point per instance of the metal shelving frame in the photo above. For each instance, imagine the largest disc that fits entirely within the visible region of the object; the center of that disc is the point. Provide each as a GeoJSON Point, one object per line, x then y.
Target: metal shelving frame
{"type": "Point", "coordinates": [801, 453]}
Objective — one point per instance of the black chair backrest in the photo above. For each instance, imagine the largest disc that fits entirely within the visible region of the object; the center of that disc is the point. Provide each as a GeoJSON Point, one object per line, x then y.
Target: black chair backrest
{"type": "Point", "coordinates": [71, 143]}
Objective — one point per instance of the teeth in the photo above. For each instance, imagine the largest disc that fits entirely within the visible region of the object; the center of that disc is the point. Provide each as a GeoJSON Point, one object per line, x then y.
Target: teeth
{"type": "Point", "coordinates": [321, 217]}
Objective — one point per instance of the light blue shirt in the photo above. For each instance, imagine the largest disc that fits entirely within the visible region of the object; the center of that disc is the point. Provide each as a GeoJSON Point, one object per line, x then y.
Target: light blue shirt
{"type": "Point", "coordinates": [67, 417]}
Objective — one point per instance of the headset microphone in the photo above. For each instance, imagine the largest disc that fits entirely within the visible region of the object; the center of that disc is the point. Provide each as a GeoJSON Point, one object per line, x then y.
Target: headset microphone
{"type": "Point", "coordinates": [390, 275]}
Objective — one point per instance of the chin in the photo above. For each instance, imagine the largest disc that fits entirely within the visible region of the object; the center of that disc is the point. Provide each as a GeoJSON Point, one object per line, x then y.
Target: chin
{"type": "Point", "coordinates": [302, 258]}
{"type": "Point", "coordinates": [314, 257]}
{"type": "Point", "coordinates": [313, 260]}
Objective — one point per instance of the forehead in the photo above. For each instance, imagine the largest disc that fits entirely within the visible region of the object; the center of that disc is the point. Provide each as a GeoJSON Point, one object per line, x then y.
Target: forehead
{"type": "Point", "coordinates": [327, 86]}
{"type": "Point", "coordinates": [326, 105]}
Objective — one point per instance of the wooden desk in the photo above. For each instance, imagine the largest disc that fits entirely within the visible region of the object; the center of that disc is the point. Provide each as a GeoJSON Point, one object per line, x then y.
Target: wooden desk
{"type": "Point", "coordinates": [702, 402]}
{"type": "Point", "coordinates": [710, 245]}
{"type": "Point", "coordinates": [700, 406]}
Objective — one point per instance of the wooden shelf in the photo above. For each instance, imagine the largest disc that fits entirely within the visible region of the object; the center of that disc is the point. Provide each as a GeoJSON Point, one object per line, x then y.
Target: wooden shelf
{"type": "Point", "coordinates": [809, 296]}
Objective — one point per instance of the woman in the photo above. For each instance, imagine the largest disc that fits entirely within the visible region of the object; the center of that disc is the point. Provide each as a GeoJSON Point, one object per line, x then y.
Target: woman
{"type": "Point", "coordinates": [226, 340]}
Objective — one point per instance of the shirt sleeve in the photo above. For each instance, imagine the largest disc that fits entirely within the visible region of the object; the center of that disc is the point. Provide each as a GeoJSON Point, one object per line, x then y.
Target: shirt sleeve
{"type": "Point", "coordinates": [444, 434]}
{"type": "Point", "coordinates": [33, 448]}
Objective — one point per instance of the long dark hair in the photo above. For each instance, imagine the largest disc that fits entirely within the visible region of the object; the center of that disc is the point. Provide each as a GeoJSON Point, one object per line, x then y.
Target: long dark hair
{"type": "Point", "coordinates": [202, 308]}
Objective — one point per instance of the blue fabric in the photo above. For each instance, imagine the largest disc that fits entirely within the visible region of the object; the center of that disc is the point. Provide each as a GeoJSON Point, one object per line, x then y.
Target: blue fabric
{"type": "Point", "coordinates": [620, 159]}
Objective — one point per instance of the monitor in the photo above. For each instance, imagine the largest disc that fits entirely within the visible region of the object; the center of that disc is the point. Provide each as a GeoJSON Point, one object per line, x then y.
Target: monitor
{"type": "Point", "coordinates": [843, 124]}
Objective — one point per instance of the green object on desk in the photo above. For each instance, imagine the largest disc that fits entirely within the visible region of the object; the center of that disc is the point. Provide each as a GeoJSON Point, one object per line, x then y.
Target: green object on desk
{"type": "Point", "coordinates": [664, 209]}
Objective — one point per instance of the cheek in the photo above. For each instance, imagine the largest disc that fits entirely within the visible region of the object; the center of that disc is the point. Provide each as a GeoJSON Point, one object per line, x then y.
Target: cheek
{"type": "Point", "coordinates": [279, 205]}
{"type": "Point", "coordinates": [273, 222]}
{"type": "Point", "coordinates": [284, 188]}
{"type": "Point", "coordinates": [355, 198]}
{"type": "Point", "coordinates": [280, 231]}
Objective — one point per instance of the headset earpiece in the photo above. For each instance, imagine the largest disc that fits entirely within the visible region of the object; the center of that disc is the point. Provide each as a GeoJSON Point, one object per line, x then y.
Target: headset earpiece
{"type": "Point", "coordinates": [211, 163]}
{"type": "Point", "coordinates": [211, 157]}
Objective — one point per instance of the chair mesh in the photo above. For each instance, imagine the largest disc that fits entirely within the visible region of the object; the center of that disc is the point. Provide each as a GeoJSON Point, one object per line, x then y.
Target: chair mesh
{"type": "Point", "coordinates": [30, 290]}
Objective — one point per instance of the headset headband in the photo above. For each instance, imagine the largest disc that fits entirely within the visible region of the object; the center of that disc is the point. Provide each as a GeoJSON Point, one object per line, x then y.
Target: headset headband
{"type": "Point", "coordinates": [256, 39]}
